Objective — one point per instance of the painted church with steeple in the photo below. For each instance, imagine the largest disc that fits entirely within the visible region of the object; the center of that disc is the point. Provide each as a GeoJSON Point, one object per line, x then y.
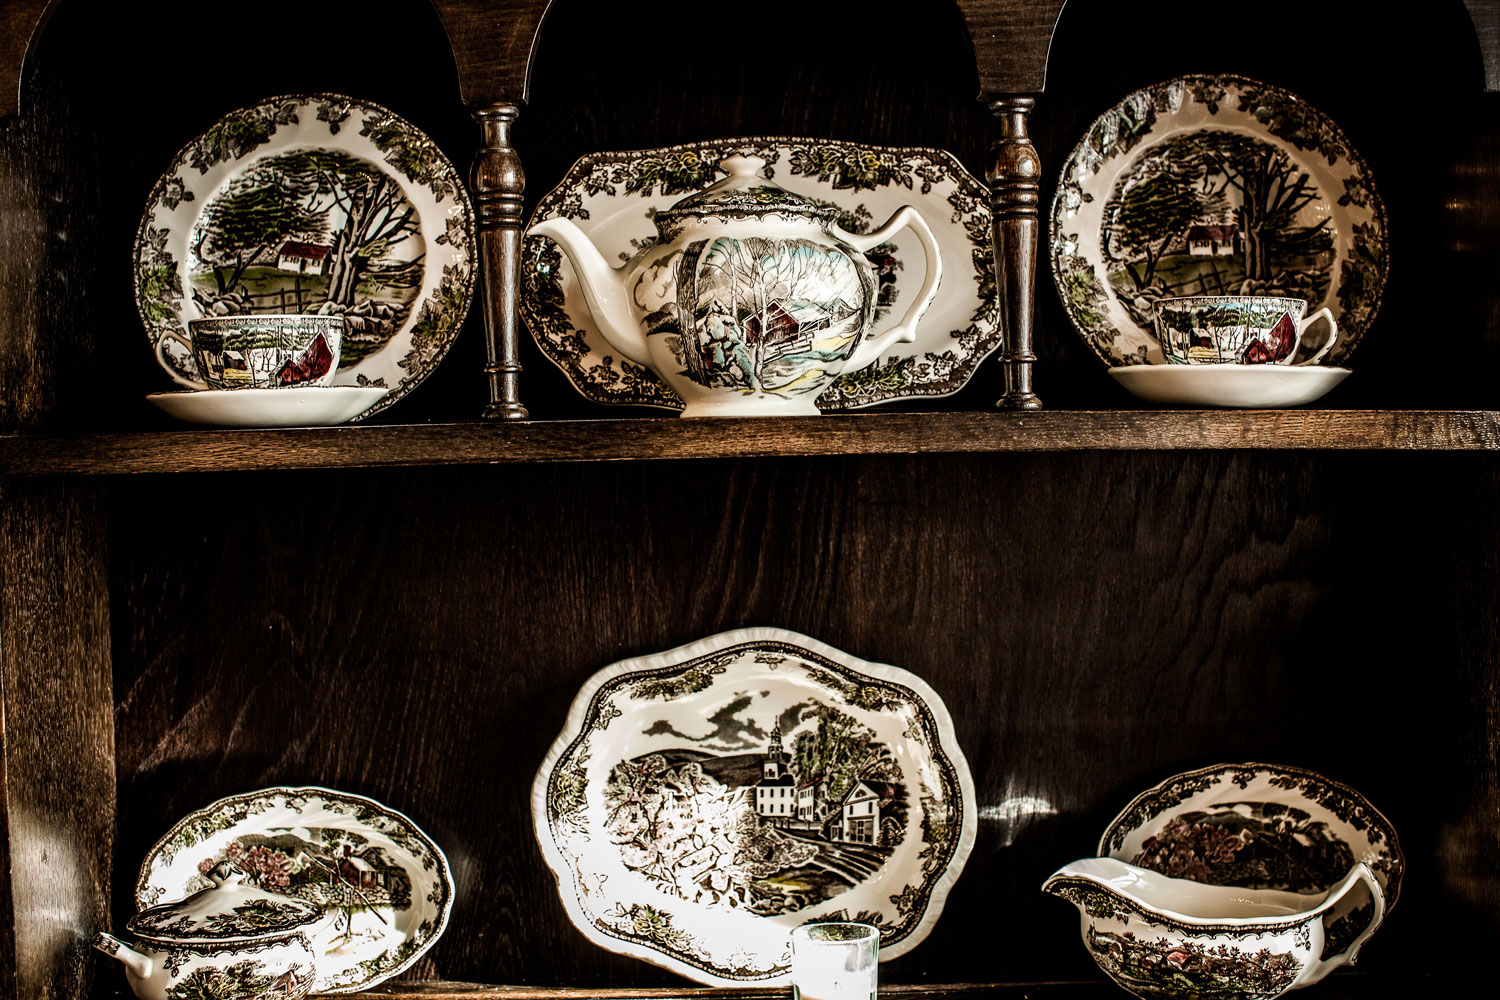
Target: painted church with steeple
{"type": "Point", "coordinates": [776, 791]}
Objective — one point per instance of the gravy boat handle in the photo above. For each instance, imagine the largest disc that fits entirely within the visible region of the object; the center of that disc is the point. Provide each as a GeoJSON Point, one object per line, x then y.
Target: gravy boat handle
{"type": "Point", "coordinates": [1349, 954]}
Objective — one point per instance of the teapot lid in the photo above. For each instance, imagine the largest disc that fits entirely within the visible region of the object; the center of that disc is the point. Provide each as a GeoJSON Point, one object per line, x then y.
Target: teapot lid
{"type": "Point", "coordinates": [228, 911]}
{"type": "Point", "coordinates": [745, 193]}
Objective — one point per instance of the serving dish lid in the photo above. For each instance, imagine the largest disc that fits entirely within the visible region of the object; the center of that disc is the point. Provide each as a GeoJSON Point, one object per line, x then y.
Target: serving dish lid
{"type": "Point", "coordinates": [226, 912]}
{"type": "Point", "coordinates": [701, 803]}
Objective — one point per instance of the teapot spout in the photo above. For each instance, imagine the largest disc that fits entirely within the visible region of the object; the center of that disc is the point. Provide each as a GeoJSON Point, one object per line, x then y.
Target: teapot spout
{"type": "Point", "coordinates": [603, 288]}
{"type": "Point", "coordinates": [140, 965]}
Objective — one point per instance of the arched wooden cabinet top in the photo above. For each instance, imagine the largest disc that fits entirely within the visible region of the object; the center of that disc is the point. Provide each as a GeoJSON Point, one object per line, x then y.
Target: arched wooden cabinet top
{"type": "Point", "coordinates": [494, 42]}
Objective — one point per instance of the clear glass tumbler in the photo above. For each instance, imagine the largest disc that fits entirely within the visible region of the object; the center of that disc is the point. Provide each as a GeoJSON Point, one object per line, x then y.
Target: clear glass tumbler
{"type": "Point", "coordinates": [835, 961]}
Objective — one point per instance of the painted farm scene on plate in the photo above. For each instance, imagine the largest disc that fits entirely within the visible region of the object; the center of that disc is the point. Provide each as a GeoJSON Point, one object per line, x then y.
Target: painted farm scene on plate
{"type": "Point", "coordinates": [311, 231]}
{"type": "Point", "coordinates": [339, 870]}
{"type": "Point", "coordinates": [794, 818]}
{"type": "Point", "coordinates": [1213, 212]}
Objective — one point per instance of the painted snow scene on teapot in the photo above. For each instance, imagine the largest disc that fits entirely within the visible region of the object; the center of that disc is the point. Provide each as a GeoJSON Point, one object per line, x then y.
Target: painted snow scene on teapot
{"type": "Point", "coordinates": [762, 314]}
{"type": "Point", "coordinates": [697, 810]}
{"type": "Point", "coordinates": [382, 882]}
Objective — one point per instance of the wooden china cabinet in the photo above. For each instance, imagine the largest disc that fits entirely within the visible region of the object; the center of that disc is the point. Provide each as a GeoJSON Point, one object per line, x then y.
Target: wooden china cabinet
{"type": "Point", "coordinates": [1103, 594]}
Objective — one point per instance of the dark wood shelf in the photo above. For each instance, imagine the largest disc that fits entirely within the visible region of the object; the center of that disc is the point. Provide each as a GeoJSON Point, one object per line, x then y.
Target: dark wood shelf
{"type": "Point", "coordinates": [1343, 985]}
{"type": "Point", "coordinates": [476, 443]}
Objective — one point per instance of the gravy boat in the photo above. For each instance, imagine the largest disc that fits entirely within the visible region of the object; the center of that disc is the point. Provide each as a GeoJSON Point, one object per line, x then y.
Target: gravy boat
{"type": "Point", "coordinates": [1169, 937]}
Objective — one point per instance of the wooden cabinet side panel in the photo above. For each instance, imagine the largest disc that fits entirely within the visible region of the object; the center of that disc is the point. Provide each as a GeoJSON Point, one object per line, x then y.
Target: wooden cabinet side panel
{"type": "Point", "coordinates": [59, 768]}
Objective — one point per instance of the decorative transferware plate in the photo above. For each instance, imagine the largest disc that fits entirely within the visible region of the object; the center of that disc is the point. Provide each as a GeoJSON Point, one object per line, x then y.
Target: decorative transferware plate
{"type": "Point", "coordinates": [383, 881]}
{"type": "Point", "coordinates": [701, 803]}
{"type": "Point", "coordinates": [1258, 826]}
{"type": "Point", "coordinates": [613, 197]}
{"type": "Point", "coordinates": [313, 204]}
{"type": "Point", "coordinates": [1214, 185]}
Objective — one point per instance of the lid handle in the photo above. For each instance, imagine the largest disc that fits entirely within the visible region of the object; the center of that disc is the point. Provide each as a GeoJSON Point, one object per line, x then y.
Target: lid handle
{"type": "Point", "coordinates": [226, 873]}
{"type": "Point", "coordinates": [741, 165]}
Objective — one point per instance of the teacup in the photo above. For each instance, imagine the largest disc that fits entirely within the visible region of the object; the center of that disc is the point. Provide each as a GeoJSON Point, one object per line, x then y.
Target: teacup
{"type": "Point", "coordinates": [259, 351]}
{"type": "Point", "coordinates": [1237, 329]}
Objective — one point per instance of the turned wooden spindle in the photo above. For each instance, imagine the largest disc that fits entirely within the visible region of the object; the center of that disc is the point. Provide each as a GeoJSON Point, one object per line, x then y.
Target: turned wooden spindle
{"type": "Point", "coordinates": [1015, 192]}
{"type": "Point", "coordinates": [498, 183]}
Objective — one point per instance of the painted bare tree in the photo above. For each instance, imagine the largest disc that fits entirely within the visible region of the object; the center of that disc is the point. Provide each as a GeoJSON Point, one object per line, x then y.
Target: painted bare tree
{"type": "Point", "coordinates": [377, 218]}
{"type": "Point", "coordinates": [1268, 189]}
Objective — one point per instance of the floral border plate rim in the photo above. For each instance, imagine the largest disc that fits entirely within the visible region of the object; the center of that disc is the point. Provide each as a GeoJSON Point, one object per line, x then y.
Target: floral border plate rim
{"type": "Point", "coordinates": [961, 327]}
{"type": "Point", "coordinates": [1298, 796]}
{"type": "Point", "coordinates": [201, 173]}
{"type": "Point", "coordinates": [375, 823]}
{"type": "Point", "coordinates": [1164, 120]}
{"type": "Point", "coordinates": [701, 861]}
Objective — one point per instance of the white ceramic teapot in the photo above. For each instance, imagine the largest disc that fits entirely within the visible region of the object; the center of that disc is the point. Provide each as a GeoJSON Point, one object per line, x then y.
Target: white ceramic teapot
{"type": "Point", "coordinates": [751, 300]}
{"type": "Point", "coordinates": [232, 940]}
{"type": "Point", "coordinates": [1174, 938]}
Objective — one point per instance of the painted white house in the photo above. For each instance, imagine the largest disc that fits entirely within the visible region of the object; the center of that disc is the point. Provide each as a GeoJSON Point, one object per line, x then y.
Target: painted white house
{"type": "Point", "coordinates": [812, 801]}
{"type": "Point", "coordinates": [863, 808]}
{"type": "Point", "coordinates": [1213, 241]}
{"type": "Point", "coordinates": [303, 258]}
{"type": "Point", "coordinates": [775, 792]}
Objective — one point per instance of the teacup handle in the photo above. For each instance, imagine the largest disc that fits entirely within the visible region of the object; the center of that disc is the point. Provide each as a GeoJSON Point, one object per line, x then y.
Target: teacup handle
{"type": "Point", "coordinates": [1319, 968]}
{"type": "Point", "coordinates": [1333, 334]}
{"type": "Point", "coordinates": [161, 343]}
{"type": "Point", "coordinates": [905, 331]}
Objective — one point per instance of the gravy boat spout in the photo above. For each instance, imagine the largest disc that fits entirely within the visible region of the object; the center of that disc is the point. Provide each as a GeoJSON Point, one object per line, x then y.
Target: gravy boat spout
{"type": "Point", "coordinates": [1170, 937]}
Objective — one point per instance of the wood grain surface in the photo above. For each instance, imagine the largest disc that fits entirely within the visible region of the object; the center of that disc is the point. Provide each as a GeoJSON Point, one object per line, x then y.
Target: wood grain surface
{"type": "Point", "coordinates": [1094, 622]}
{"type": "Point", "coordinates": [18, 25]}
{"type": "Point", "coordinates": [747, 437]}
{"type": "Point", "coordinates": [1342, 987]}
{"type": "Point", "coordinates": [57, 813]}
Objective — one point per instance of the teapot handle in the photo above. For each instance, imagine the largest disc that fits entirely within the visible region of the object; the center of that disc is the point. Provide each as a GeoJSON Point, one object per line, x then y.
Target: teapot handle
{"type": "Point", "coordinates": [1349, 955]}
{"type": "Point", "coordinates": [905, 331]}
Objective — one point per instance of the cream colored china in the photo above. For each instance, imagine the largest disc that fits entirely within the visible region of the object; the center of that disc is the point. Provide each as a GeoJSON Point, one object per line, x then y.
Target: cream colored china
{"type": "Point", "coordinates": [1161, 937]}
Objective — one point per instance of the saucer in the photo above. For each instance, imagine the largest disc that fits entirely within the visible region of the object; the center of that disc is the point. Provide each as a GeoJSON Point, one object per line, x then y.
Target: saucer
{"type": "Point", "coordinates": [303, 406]}
{"type": "Point", "coordinates": [1254, 387]}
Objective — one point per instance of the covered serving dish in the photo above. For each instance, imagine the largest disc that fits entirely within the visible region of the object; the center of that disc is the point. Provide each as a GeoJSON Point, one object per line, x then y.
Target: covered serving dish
{"type": "Point", "coordinates": [230, 940]}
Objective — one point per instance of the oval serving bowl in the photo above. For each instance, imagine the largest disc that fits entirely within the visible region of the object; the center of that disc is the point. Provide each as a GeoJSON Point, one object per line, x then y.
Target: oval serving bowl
{"type": "Point", "coordinates": [386, 886]}
{"type": "Point", "coordinates": [702, 802]}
